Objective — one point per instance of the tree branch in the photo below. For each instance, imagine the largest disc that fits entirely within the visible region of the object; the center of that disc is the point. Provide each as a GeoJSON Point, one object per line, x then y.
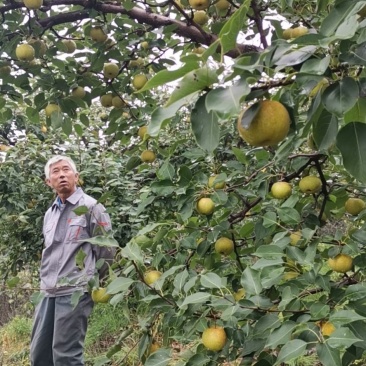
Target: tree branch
{"type": "Point", "coordinates": [140, 15]}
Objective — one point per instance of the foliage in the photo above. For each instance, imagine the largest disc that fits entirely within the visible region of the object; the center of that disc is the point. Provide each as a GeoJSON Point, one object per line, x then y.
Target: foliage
{"type": "Point", "coordinates": [199, 80]}
{"type": "Point", "coordinates": [15, 341]}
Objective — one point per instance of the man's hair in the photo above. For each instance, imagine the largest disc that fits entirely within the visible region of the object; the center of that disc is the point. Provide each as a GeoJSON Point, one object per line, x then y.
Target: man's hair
{"type": "Point", "coordinates": [55, 159]}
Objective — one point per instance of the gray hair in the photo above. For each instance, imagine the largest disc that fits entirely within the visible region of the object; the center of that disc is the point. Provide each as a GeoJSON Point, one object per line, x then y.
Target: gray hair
{"type": "Point", "coordinates": [55, 159]}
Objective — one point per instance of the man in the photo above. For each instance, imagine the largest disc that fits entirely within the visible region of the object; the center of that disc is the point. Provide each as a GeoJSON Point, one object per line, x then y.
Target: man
{"type": "Point", "coordinates": [59, 326]}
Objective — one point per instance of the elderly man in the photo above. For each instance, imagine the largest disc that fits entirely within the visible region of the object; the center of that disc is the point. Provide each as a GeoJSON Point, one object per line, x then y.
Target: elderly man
{"type": "Point", "coordinates": [59, 326]}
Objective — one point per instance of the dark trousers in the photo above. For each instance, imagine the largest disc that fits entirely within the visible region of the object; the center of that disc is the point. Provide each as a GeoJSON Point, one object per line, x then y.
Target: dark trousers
{"type": "Point", "coordinates": [59, 331]}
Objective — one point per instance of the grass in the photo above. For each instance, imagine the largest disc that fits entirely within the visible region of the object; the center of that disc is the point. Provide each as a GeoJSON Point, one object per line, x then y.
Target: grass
{"type": "Point", "coordinates": [106, 323]}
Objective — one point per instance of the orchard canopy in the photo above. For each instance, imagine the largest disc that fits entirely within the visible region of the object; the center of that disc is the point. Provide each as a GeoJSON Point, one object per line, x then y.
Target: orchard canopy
{"type": "Point", "coordinates": [279, 274]}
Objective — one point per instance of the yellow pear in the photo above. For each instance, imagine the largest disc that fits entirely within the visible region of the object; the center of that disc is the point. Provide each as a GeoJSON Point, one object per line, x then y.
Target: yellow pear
{"type": "Point", "coordinates": [222, 5]}
{"type": "Point", "coordinates": [205, 206]}
{"type": "Point", "coordinates": [291, 33]}
{"type": "Point", "coordinates": [106, 100]}
{"type": "Point", "coordinates": [153, 348]}
{"type": "Point", "coordinates": [200, 17]}
{"type": "Point", "coordinates": [354, 206]}
{"type": "Point", "coordinates": [199, 4]}
{"type": "Point", "coordinates": [110, 70]}
{"type": "Point", "coordinates": [4, 147]}
{"type": "Point", "coordinates": [198, 50]}
{"type": "Point", "coordinates": [78, 92]}
{"type": "Point", "coordinates": [310, 184]}
{"type": "Point", "coordinates": [224, 246]}
{"type": "Point", "coordinates": [341, 263]}
{"type": "Point", "coordinates": [52, 107]}
{"type": "Point", "coordinates": [136, 63]}
{"type": "Point", "coordinates": [104, 117]}
{"type": "Point", "coordinates": [214, 338]}
{"type": "Point", "coordinates": [148, 156]}
{"type": "Point", "coordinates": [212, 184]}
{"type": "Point", "coordinates": [139, 81]}
{"type": "Point", "coordinates": [269, 126]}
{"type": "Point", "coordinates": [44, 128]}
{"type": "Point", "coordinates": [295, 237]}
{"type": "Point", "coordinates": [5, 71]}
{"type": "Point", "coordinates": [40, 47]}
{"type": "Point", "coordinates": [144, 45]}
{"type": "Point", "coordinates": [33, 4]}
{"type": "Point", "coordinates": [152, 276]}
{"type": "Point", "coordinates": [118, 102]}
{"type": "Point", "coordinates": [327, 329]}
{"type": "Point", "coordinates": [240, 294]}
{"type": "Point", "coordinates": [100, 295]}
{"type": "Point", "coordinates": [70, 45]}
{"type": "Point", "coordinates": [281, 190]}
{"type": "Point", "coordinates": [25, 52]}
{"type": "Point", "coordinates": [142, 132]}
{"type": "Point", "coordinates": [97, 34]}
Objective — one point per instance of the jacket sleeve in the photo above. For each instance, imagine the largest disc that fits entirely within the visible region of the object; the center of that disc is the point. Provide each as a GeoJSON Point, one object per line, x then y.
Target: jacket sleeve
{"type": "Point", "coordinates": [100, 224]}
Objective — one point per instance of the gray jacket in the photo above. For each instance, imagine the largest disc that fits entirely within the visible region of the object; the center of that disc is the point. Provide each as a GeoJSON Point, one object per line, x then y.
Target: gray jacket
{"type": "Point", "coordinates": [62, 231]}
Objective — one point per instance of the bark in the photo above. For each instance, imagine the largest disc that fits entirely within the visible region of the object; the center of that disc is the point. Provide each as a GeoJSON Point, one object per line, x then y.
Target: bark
{"type": "Point", "coordinates": [189, 31]}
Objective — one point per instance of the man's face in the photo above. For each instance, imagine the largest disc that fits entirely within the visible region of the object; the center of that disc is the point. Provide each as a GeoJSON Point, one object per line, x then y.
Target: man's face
{"type": "Point", "coordinates": [62, 178]}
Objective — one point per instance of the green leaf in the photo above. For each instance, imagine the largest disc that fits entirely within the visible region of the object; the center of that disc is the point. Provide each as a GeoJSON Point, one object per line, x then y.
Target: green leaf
{"type": "Point", "coordinates": [102, 240]}
{"type": "Point", "coordinates": [351, 141]}
{"type": "Point", "coordinates": [319, 311]}
{"type": "Point", "coordinates": [341, 96]}
{"type": "Point", "coordinates": [315, 66]}
{"type": "Point", "coordinates": [75, 297]}
{"type": "Point", "coordinates": [229, 32]}
{"type": "Point", "coordinates": [205, 126]}
{"type": "Point", "coordinates": [133, 252]}
{"type": "Point", "coordinates": [193, 82]}
{"type": "Point", "coordinates": [325, 130]}
{"type": "Point", "coordinates": [281, 335]}
{"type": "Point", "coordinates": [67, 127]}
{"type": "Point", "coordinates": [197, 298]}
{"type": "Point", "coordinates": [211, 280]}
{"type": "Point", "coordinates": [269, 219]}
{"type": "Point", "coordinates": [166, 171]}
{"type": "Point", "coordinates": [81, 210]}
{"type": "Point", "coordinates": [227, 100]}
{"type": "Point", "coordinates": [328, 355]}
{"type": "Point", "coordinates": [342, 337]}
{"type": "Point", "coordinates": [12, 282]}
{"type": "Point", "coordinates": [288, 215]}
{"type": "Point", "coordinates": [165, 76]}
{"type": "Point", "coordinates": [357, 112]}
{"type": "Point", "coordinates": [119, 284]}
{"type": "Point", "coordinates": [133, 162]}
{"type": "Point", "coordinates": [161, 357]}
{"type": "Point", "coordinates": [250, 280]}
{"type": "Point", "coordinates": [339, 15]}
{"type": "Point", "coordinates": [295, 57]}
{"type": "Point", "coordinates": [162, 115]}
{"type": "Point", "coordinates": [33, 115]}
{"type": "Point", "coordinates": [269, 251]}
{"type": "Point", "coordinates": [249, 115]}
{"type": "Point", "coordinates": [345, 317]}
{"type": "Point", "coordinates": [291, 350]}
{"type": "Point", "coordinates": [79, 259]}
{"type": "Point", "coordinates": [163, 188]}
{"type": "Point", "coordinates": [148, 228]}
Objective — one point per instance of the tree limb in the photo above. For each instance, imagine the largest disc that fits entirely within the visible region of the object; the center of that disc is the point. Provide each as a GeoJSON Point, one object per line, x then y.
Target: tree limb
{"type": "Point", "coordinates": [182, 29]}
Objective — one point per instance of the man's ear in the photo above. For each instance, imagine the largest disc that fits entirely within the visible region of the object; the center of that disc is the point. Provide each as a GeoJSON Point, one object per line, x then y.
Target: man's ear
{"type": "Point", "coordinates": [48, 182]}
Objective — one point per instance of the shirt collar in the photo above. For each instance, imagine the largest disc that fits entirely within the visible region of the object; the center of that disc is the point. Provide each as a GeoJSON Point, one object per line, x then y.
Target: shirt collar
{"type": "Point", "coordinates": [73, 199]}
